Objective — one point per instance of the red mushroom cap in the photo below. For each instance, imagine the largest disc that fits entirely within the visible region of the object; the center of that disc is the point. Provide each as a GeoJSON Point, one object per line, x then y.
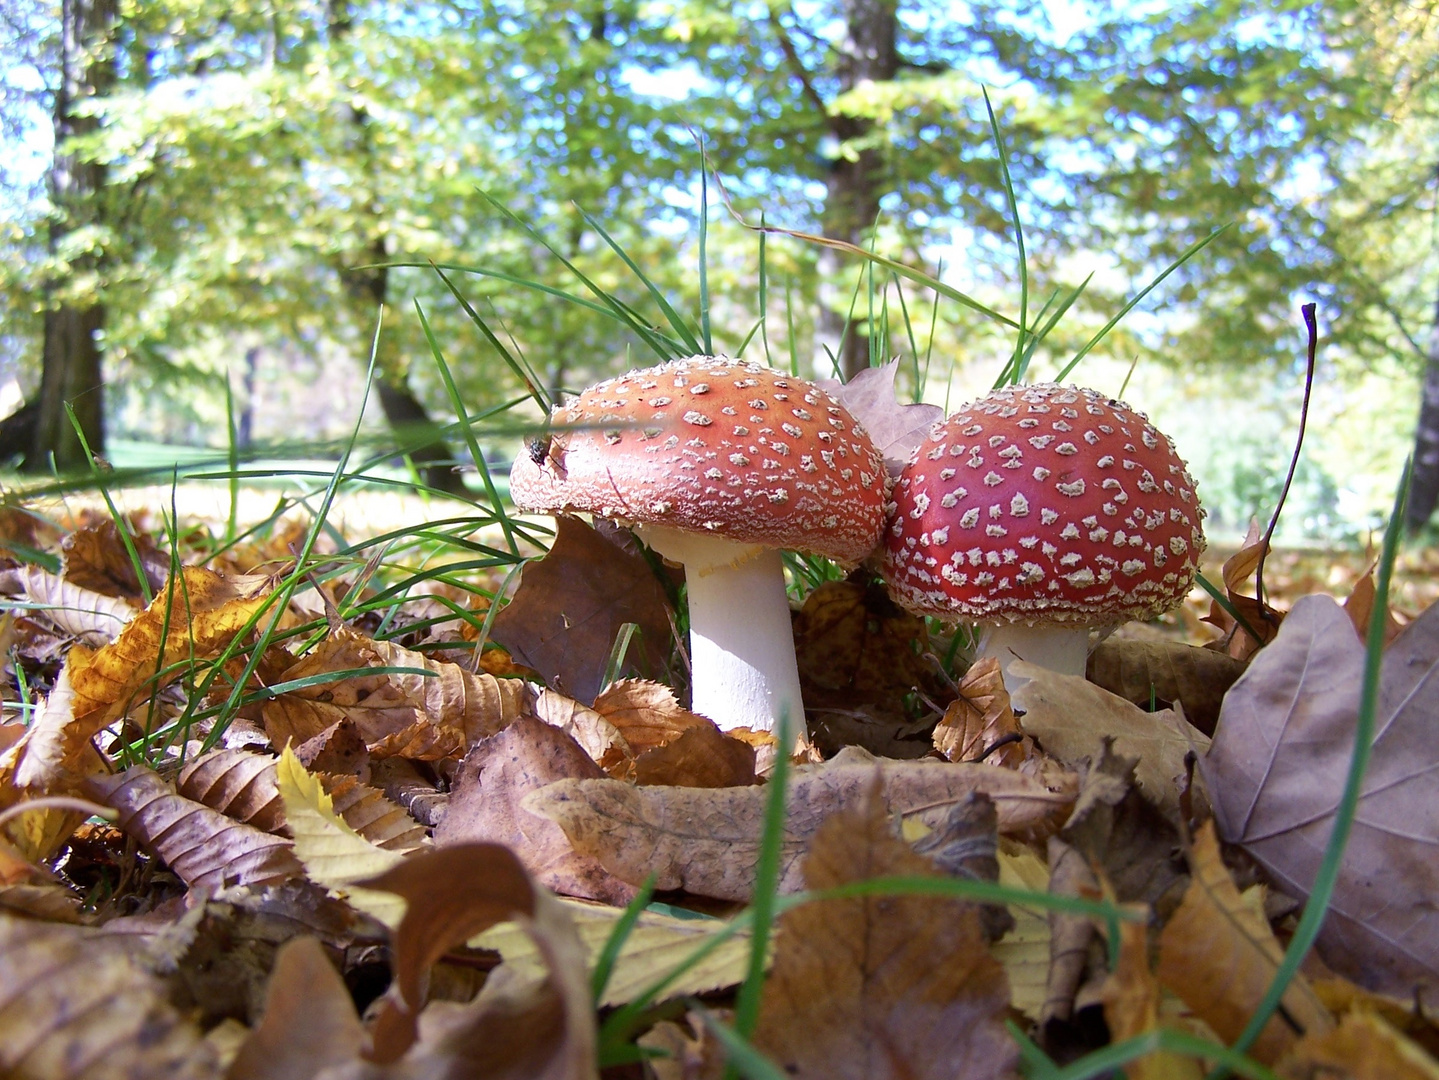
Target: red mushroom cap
{"type": "Point", "coordinates": [717, 446]}
{"type": "Point", "coordinates": [1043, 504]}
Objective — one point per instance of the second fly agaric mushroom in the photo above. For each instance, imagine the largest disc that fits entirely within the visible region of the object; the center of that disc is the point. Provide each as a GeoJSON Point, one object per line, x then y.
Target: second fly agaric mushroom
{"type": "Point", "coordinates": [721, 464]}
{"type": "Point", "coordinates": [1039, 512]}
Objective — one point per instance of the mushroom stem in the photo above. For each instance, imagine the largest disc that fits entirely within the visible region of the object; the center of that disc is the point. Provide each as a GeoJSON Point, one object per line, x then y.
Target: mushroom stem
{"type": "Point", "coordinates": [1056, 647]}
{"type": "Point", "coordinates": [742, 664]}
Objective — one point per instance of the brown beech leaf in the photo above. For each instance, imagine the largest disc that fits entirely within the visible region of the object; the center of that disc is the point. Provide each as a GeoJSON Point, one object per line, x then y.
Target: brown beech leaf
{"type": "Point", "coordinates": [409, 714]}
{"type": "Point", "coordinates": [599, 738]}
{"type": "Point", "coordinates": [702, 757]}
{"type": "Point", "coordinates": [646, 714]}
{"type": "Point", "coordinates": [237, 783]}
{"type": "Point", "coordinates": [1219, 956]}
{"type": "Point", "coordinates": [1278, 765]}
{"type": "Point", "coordinates": [340, 748]}
{"type": "Point", "coordinates": [1071, 717]}
{"type": "Point", "coordinates": [571, 604]}
{"type": "Point", "coordinates": [979, 718]}
{"type": "Point", "coordinates": [1166, 672]}
{"type": "Point", "coordinates": [1363, 1047]}
{"type": "Point", "coordinates": [76, 1002]}
{"type": "Point", "coordinates": [487, 804]}
{"type": "Point", "coordinates": [895, 428]}
{"type": "Point", "coordinates": [1360, 605]}
{"type": "Point", "coordinates": [97, 559]}
{"type": "Point", "coordinates": [196, 618]}
{"type": "Point", "coordinates": [705, 840]}
{"type": "Point", "coordinates": [1131, 1007]}
{"type": "Point", "coordinates": [94, 618]}
{"type": "Point", "coordinates": [881, 986]}
{"type": "Point", "coordinates": [369, 813]}
{"type": "Point", "coordinates": [203, 846]}
{"type": "Point", "coordinates": [1264, 620]}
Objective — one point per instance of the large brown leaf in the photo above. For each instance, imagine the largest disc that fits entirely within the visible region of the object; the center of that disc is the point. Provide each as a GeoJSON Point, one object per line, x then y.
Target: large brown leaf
{"type": "Point", "coordinates": [75, 1002]}
{"type": "Point", "coordinates": [92, 617]}
{"type": "Point", "coordinates": [882, 986]}
{"type": "Point", "coordinates": [706, 840]}
{"type": "Point", "coordinates": [1277, 767]}
{"type": "Point", "coordinates": [1166, 671]}
{"type": "Point", "coordinates": [571, 604]}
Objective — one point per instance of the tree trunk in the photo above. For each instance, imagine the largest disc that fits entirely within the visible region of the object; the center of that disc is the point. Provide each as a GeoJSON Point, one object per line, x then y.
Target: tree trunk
{"type": "Point", "coordinates": [368, 288]}
{"type": "Point", "coordinates": [1424, 485]}
{"type": "Point", "coordinates": [70, 357]}
{"type": "Point", "coordinates": [856, 181]}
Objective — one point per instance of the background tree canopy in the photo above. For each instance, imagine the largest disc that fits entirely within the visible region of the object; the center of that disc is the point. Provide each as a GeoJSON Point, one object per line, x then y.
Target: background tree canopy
{"type": "Point", "coordinates": [231, 184]}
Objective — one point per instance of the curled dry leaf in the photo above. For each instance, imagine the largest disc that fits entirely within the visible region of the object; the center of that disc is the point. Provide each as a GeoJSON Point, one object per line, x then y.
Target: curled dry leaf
{"type": "Point", "coordinates": [75, 1002]}
{"type": "Point", "coordinates": [571, 604]}
{"type": "Point", "coordinates": [203, 847]}
{"type": "Point", "coordinates": [1360, 606]}
{"type": "Point", "coordinates": [238, 784]}
{"type": "Point", "coordinates": [1071, 718]}
{"type": "Point", "coordinates": [1218, 954]}
{"type": "Point", "coordinates": [91, 617]}
{"type": "Point", "coordinates": [1278, 766]}
{"type": "Point", "coordinates": [1131, 1007]}
{"type": "Point", "coordinates": [96, 558]}
{"type": "Point", "coordinates": [195, 619]}
{"type": "Point", "coordinates": [597, 736]}
{"type": "Point", "coordinates": [432, 711]}
{"type": "Point", "coordinates": [1166, 672]}
{"type": "Point", "coordinates": [1070, 936]}
{"type": "Point", "coordinates": [1363, 1047]}
{"type": "Point", "coordinates": [702, 757]}
{"type": "Point", "coordinates": [706, 840]}
{"type": "Point", "coordinates": [487, 804]}
{"type": "Point", "coordinates": [980, 718]}
{"type": "Point", "coordinates": [338, 749]}
{"type": "Point", "coordinates": [881, 986]}
{"type": "Point", "coordinates": [646, 714]}
{"type": "Point", "coordinates": [1239, 570]}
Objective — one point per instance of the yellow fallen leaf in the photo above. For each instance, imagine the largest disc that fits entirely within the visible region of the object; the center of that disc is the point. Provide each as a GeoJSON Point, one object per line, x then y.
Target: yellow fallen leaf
{"type": "Point", "coordinates": [1131, 1007]}
{"type": "Point", "coordinates": [1024, 951]}
{"type": "Point", "coordinates": [1362, 1047]}
{"type": "Point", "coordinates": [333, 854]}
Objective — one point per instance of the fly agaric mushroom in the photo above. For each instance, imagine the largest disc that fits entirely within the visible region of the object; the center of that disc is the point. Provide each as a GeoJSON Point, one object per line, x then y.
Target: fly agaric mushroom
{"type": "Point", "coordinates": [1039, 512]}
{"type": "Point", "coordinates": [720, 464]}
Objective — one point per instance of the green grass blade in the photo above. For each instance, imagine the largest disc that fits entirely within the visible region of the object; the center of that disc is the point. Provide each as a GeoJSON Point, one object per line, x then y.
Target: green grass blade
{"type": "Point", "coordinates": [1021, 336]}
{"type": "Point", "coordinates": [681, 328]}
{"type": "Point", "coordinates": [615, 943]}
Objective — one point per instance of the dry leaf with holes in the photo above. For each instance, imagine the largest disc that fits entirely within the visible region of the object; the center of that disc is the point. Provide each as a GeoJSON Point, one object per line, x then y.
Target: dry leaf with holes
{"type": "Point", "coordinates": [1071, 718]}
{"type": "Point", "coordinates": [96, 558]}
{"type": "Point", "coordinates": [203, 847]}
{"type": "Point", "coordinates": [571, 604]}
{"type": "Point", "coordinates": [195, 619]}
{"type": "Point", "coordinates": [980, 718]}
{"type": "Point", "coordinates": [706, 840]}
{"type": "Point", "coordinates": [1278, 767]}
{"type": "Point", "coordinates": [429, 711]}
{"type": "Point", "coordinates": [487, 804]}
{"type": "Point", "coordinates": [881, 986]}
{"type": "Point", "coordinates": [1165, 672]}
{"type": "Point", "coordinates": [76, 1002]}
{"type": "Point", "coordinates": [1218, 954]}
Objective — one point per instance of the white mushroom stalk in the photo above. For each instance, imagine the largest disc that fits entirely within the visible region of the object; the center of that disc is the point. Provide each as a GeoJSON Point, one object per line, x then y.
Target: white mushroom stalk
{"type": "Point", "coordinates": [741, 643]}
{"type": "Point", "coordinates": [1060, 648]}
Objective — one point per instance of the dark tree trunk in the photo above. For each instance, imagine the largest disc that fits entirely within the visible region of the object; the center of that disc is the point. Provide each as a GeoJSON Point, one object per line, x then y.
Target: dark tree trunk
{"type": "Point", "coordinates": [856, 182]}
{"type": "Point", "coordinates": [1424, 486]}
{"type": "Point", "coordinates": [70, 357]}
{"type": "Point", "coordinates": [368, 288]}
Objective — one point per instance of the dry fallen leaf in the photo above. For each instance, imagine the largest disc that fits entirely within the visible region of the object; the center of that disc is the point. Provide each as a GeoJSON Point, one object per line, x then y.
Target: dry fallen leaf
{"type": "Point", "coordinates": [96, 558]}
{"type": "Point", "coordinates": [1131, 1007]}
{"type": "Point", "coordinates": [1167, 672]}
{"type": "Point", "coordinates": [1238, 572]}
{"type": "Point", "coordinates": [1071, 717]}
{"type": "Point", "coordinates": [1277, 768]}
{"type": "Point", "coordinates": [981, 718]}
{"type": "Point", "coordinates": [90, 617]}
{"type": "Point", "coordinates": [706, 840]}
{"type": "Point", "coordinates": [1218, 954]}
{"type": "Point", "coordinates": [571, 604]}
{"type": "Point", "coordinates": [487, 804]}
{"type": "Point", "coordinates": [197, 618]}
{"type": "Point", "coordinates": [1024, 951]}
{"type": "Point", "coordinates": [896, 428]}
{"type": "Point", "coordinates": [1362, 1047]}
{"type": "Point", "coordinates": [205, 848]}
{"type": "Point", "coordinates": [237, 783]}
{"type": "Point", "coordinates": [76, 1002]}
{"type": "Point", "coordinates": [433, 710]}
{"type": "Point", "coordinates": [881, 986]}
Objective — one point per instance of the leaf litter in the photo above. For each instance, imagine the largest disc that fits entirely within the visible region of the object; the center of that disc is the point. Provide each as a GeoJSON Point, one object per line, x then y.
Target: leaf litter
{"type": "Point", "coordinates": [375, 851]}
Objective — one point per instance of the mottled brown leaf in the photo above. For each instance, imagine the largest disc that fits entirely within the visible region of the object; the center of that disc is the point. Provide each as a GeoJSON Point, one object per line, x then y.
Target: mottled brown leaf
{"type": "Point", "coordinates": [571, 604]}
{"type": "Point", "coordinates": [881, 986]}
{"type": "Point", "coordinates": [1166, 672]}
{"type": "Point", "coordinates": [980, 718]}
{"type": "Point", "coordinates": [1218, 954]}
{"type": "Point", "coordinates": [95, 558]}
{"type": "Point", "coordinates": [703, 757]}
{"type": "Point", "coordinates": [203, 846]}
{"type": "Point", "coordinates": [486, 804]}
{"type": "Point", "coordinates": [1278, 765]}
{"type": "Point", "coordinates": [599, 738]}
{"type": "Point", "coordinates": [646, 714]}
{"type": "Point", "coordinates": [338, 749]}
{"type": "Point", "coordinates": [706, 840]}
{"type": "Point", "coordinates": [239, 784]}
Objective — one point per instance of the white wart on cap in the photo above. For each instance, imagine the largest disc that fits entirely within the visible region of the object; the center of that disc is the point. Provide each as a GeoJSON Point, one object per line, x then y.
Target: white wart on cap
{"type": "Point", "coordinates": [1042, 504]}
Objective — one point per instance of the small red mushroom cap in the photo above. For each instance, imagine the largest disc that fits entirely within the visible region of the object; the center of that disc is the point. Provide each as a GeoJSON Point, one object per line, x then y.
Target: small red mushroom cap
{"type": "Point", "coordinates": [1043, 503]}
{"type": "Point", "coordinates": [714, 446]}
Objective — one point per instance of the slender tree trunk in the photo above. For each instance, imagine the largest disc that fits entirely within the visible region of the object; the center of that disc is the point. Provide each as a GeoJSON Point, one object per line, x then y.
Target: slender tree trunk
{"type": "Point", "coordinates": [368, 288]}
{"type": "Point", "coordinates": [70, 359]}
{"type": "Point", "coordinates": [1424, 486]}
{"type": "Point", "coordinates": [856, 181]}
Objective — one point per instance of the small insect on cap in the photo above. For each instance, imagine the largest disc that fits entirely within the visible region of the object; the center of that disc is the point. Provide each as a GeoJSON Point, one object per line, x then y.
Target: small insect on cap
{"type": "Point", "coordinates": [714, 446]}
{"type": "Point", "coordinates": [1043, 503]}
